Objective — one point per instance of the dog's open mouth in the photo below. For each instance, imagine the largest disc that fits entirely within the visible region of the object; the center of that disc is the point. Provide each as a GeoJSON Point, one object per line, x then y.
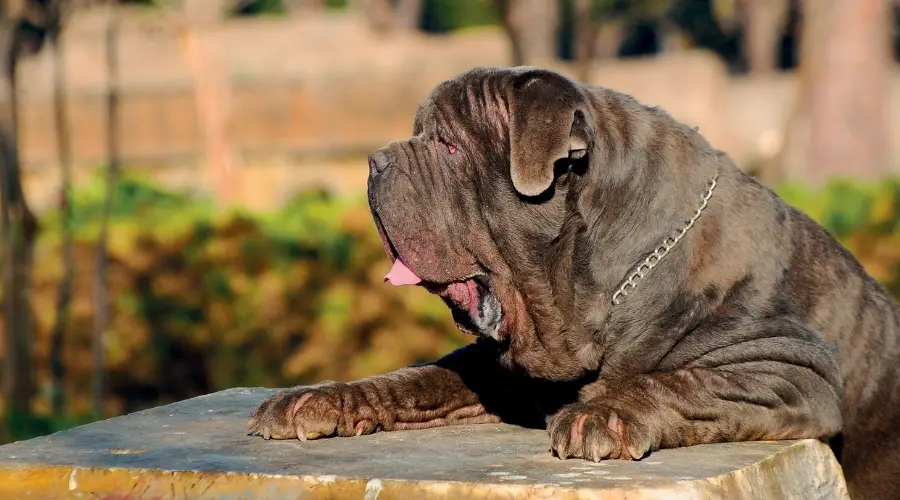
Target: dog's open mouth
{"type": "Point", "coordinates": [475, 309]}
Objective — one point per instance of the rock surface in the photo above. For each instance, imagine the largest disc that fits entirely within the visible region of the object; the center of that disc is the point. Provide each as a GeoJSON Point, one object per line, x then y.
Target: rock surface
{"type": "Point", "coordinates": [199, 449]}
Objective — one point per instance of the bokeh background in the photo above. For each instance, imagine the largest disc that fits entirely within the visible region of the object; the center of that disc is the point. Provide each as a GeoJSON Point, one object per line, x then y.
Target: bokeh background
{"type": "Point", "coordinates": [183, 181]}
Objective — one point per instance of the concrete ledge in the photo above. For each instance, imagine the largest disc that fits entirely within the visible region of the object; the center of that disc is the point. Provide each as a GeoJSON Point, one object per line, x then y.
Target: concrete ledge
{"type": "Point", "coordinates": [199, 449]}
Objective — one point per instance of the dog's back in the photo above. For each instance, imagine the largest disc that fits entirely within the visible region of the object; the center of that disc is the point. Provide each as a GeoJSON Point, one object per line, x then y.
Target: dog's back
{"type": "Point", "coordinates": [835, 295]}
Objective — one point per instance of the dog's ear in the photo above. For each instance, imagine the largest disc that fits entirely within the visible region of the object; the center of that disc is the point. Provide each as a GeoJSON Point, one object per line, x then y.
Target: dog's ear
{"type": "Point", "coordinates": [548, 120]}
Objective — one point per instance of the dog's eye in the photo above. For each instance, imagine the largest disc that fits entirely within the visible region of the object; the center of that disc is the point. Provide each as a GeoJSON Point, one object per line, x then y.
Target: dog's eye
{"type": "Point", "coordinates": [450, 147]}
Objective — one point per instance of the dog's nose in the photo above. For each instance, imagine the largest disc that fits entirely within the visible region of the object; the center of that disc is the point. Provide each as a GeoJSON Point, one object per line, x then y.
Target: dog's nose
{"type": "Point", "coordinates": [380, 160]}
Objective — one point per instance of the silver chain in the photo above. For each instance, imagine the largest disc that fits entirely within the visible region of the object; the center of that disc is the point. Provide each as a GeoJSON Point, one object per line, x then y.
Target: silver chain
{"type": "Point", "coordinates": [653, 259]}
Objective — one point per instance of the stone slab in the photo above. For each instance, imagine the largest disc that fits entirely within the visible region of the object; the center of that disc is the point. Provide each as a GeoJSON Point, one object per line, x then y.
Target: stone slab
{"type": "Point", "coordinates": [200, 449]}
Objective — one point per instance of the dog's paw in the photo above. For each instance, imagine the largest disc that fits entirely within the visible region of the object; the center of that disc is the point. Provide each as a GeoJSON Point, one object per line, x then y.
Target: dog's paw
{"type": "Point", "coordinates": [312, 412]}
{"type": "Point", "coordinates": [596, 432]}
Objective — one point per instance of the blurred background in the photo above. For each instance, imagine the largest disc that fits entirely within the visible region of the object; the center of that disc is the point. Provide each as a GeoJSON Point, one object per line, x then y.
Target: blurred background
{"type": "Point", "coordinates": [183, 182]}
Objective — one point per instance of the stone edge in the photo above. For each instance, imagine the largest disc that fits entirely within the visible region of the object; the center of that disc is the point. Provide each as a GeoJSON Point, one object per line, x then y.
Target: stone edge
{"type": "Point", "coordinates": [824, 480]}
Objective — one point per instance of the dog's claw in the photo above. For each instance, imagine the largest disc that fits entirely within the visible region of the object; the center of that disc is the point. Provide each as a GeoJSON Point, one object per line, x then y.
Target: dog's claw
{"type": "Point", "coordinates": [301, 434]}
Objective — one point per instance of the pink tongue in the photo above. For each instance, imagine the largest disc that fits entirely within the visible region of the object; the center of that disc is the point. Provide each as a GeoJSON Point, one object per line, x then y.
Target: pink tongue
{"type": "Point", "coordinates": [400, 275]}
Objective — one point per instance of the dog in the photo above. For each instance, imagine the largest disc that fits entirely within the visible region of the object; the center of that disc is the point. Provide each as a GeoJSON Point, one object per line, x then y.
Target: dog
{"type": "Point", "coordinates": [630, 289]}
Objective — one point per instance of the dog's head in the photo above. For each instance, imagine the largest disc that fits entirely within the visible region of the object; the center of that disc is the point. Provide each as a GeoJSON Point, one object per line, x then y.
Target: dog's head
{"type": "Point", "coordinates": [470, 207]}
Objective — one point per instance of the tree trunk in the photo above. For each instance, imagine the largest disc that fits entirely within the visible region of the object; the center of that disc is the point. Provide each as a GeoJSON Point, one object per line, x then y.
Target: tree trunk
{"type": "Point", "coordinates": [504, 10]}
{"type": "Point", "coordinates": [671, 38]}
{"type": "Point", "coordinates": [407, 14]}
{"type": "Point", "coordinates": [839, 126]}
{"type": "Point", "coordinates": [763, 24]}
{"type": "Point", "coordinates": [212, 95]}
{"type": "Point", "coordinates": [19, 229]}
{"type": "Point", "coordinates": [389, 16]}
{"type": "Point", "coordinates": [100, 291]}
{"type": "Point", "coordinates": [608, 41]}
{"type": "Point", "coordinates": [585, 37]}
{"type": "Point", "coordinates": [64, 294]}
{"type": "Point", "coordinates": [531, 26]}
{"type": "Point", "coordinates": [595, 39]}
{"type": "Point", "coordinates": [378, 14]}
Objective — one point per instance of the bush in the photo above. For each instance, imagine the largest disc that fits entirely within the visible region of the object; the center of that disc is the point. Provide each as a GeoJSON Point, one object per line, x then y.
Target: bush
{"type": "Point", "coordinates": [203, 301]}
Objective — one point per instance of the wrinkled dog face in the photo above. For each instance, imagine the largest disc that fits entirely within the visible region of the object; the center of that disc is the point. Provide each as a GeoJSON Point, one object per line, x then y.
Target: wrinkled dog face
{"type": "Point", "coordinates": [468, 206]}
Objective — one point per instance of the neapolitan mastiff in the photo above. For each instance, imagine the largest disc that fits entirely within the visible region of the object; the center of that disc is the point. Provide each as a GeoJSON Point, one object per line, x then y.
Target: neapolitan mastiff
{"type": "Point", "coordinates": [630, 289]}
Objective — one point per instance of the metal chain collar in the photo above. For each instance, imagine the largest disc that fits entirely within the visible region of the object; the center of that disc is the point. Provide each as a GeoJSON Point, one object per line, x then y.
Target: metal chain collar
{"type": "Point", "coordinates": [654, 258]}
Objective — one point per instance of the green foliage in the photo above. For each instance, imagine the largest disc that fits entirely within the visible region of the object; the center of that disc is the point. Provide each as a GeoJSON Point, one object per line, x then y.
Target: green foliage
{"type": "Point", "coordinates": [204, 300]}
{"type": "Point", "coordinates": [16, 426]}
{"type": "Point", "coordinates": [847, 207]}
{"type": "Point", "coordinates": [451, 15]}
{"type": "Point", "coordinates": [260, 7]}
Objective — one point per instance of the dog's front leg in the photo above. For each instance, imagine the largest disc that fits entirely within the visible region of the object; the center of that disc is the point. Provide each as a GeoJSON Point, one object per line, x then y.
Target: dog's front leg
{"type": "Point", "coordinates": [465, 387]}
{"type": "Point", "coordinates": [767, 389]}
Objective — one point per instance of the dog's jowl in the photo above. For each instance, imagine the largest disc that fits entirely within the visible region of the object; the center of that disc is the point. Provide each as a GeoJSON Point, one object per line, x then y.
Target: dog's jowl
{"type": "Point", "coordinates": [629, 288]}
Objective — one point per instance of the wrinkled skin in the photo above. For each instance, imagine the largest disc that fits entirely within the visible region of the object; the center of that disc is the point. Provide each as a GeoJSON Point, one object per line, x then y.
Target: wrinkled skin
{"type": "Point", "coordinates": [524, 200]}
